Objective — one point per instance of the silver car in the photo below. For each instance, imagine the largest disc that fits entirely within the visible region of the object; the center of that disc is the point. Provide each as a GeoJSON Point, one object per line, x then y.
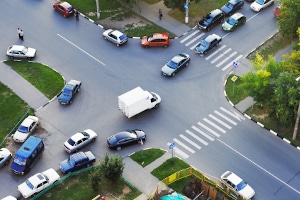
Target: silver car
{"type": "Point", "coordinates": [5, 156]}
{"type": "Point", "coordinates": [18, 51]}
{"type": "Point", "coordinates": [115, 36]}
{"type": "Point", "coordinates": [79, 140]}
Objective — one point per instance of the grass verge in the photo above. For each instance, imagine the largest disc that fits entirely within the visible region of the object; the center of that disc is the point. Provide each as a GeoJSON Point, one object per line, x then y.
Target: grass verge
{"type": "Point", "coordinates": [145, 157]}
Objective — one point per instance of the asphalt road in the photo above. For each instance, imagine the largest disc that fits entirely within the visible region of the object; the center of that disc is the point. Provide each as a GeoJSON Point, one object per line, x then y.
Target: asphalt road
{"type": "Point", "coordinates": [209, 134]}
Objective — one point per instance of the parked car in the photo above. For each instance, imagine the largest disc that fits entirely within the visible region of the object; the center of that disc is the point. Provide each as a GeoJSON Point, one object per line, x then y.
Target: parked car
{"type": "Point", "coordinates": [5, 156]}
{"type": "Point", "coordinates": [77, 161]}
{"type": "Point", "coordinates": [259, 5]}
{"type": "Point", "coordinates": [124, 138]}
{"type": "Point", "coordinates": [69, 91]}
{"type": "Point", "coordinates": [64, 8]}
{"type": "Point", "coordinates": [19, 51]}
{"type": "Point", "coordinates": [232, 6]}
{"type": "Point", "coordinates": [115, 36]}
{"type": "Point", "coordinates": [38, 182]}
{"type": "Point", "coordinates": [233, 181]}
{"type": "Point", "coordinates": [208, 44]}
{"type": "Point", "coordinates": [28, 126]}
{"type": "Point", "coordinates": [175, 64]}
{"type": "Point", "coordinates": [9, 198]}
{"type": "Point", "coordinates": [212, 19]}
{"type": "Point", "coordinates": [233, 22]}
{"type": "Point", "coordinates": [156, 40]}
{"type": "Point", "coordinates": [79, 140]}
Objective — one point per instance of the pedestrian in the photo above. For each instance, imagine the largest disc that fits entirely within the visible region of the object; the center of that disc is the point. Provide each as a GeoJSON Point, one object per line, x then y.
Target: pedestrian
{"type": "Point", "coordinates": [21, 34]}
{"type": "Point", "coordinates": [19, 30]}
{"type": "Point", "coordinates": [76, 13]}
{"type": "Point", "coordinates": [160, 13]}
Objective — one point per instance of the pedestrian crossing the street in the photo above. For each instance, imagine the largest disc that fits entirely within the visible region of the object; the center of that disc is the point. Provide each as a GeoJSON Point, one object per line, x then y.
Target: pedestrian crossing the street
{"type": "Point", "coordinates": [205, 132]}
{"type": "Point", "coordinates": [222, 57]}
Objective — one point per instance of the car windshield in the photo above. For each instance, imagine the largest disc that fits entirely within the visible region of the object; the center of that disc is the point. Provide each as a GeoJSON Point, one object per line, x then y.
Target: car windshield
{"type": "Point", "coordinates": [67, 92]}
{"type": "Point", "coordinates": [122, 37]}
{"type": "Point", "coordinates": [29, 184]}
{"type": "Point", "coordinates": [261, 2]}
{"type": "Point", "coordinates": [149, 38]}
{"type": "Point", "coordinates": [69, 9]}
{"type": "Point", "coordinates": [241, 185]}
{"type": "Point", "coordinates": [229, 5]}
{"type": "Point", "coordinates": [231, 21]}
{"type": "Point", "coordinates": [204, 43]}
{"type": "Point", "coordinates": [23, 129]}
{"type": "Point", "coordinates": [24, 50]}
{"type": "Point", "coordinates": [71, 161]}
{"type": "Point", "coordinates": [172, 64]}
{"type": "Point", "coordinates": [20, 161]}
{"type": "Point", "coordinates": [208, 18]}
{"type": "Point", "coordinates": [113, 139]}
{"type": "Point", "coordinates": [71, 142]}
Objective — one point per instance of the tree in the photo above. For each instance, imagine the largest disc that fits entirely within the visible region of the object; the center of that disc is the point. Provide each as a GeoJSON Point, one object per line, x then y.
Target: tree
{"type": "Point", "coordinates": [289, 20]}
{"type": "Point", "coordinates": [112, 167]}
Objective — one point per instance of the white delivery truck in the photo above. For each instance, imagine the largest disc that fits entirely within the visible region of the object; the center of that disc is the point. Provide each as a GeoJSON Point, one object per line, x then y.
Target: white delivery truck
{"type": "Point", "coordinates": [137, 100]}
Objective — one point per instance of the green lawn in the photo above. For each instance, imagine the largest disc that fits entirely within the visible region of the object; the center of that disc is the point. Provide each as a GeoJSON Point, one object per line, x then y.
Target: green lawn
{"type": "Point", "coordinates": [147, 156]}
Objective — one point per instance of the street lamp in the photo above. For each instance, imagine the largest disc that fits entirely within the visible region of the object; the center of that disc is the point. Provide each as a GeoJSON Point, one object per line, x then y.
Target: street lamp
{"type": "Point", "coordinates": [297, 118]}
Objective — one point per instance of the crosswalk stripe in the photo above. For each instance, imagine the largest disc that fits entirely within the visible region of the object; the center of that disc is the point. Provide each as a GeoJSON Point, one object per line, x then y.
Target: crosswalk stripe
{"type": "Point", "coordinates": [188, 37]}
{"type": "Point", "coordinates": [193, 40]}
{"type": "Point", "coordinates": [214, 125]}
{"type": "Point", "coordinates": [225, 59]}
{"type": "Point", "coordinates": [183, 145]}
{"type": "Point", "coordinates": [204, 134]}
{"type": "Point", "coordinates": [214, 53]}
{"type": "Point", "coordinates": [218, 120]}
{"type": "Point", "coordinates": [180, 153]}
{"type": "Point", "coordinates": [196, 137]}
{"type": "Point", "coordinates": [226, 118]}
{"type": "Point", "coordinates": [220, 56]}
{"type": "Point", "coordinates": [235, 115]}
{"type": "Point", "coordinates": [190, 141]}
{"type": "Point", "coordinates": [230, 64]}
{"type": "Point", "coordinates": [194, 46]}
{"type": "Point", "coordinates": [208, 129]}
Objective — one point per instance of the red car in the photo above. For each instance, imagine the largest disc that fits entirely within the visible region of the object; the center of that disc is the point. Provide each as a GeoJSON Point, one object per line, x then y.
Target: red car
{"type": "Point", "coordinates": [277, 11]}
{"type": "Point", "coordinates": [64, 8]}
{"type": "Point", "coordinates": [156, 40]}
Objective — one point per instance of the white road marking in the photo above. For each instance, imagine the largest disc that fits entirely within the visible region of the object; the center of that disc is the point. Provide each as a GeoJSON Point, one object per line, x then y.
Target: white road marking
{"type": "Point", "coordinates": [196, 137]}
{"type": "Point", "coordinates": [225, 59]}
{"type": "Point", "coordinates": [190, 141]}
{"type": "Point", "coordinates": [223, 116]}
{"type": "Point", "coordinates": [208, 129]}
{"type": "Point", "coordinates": [221, 122]}
{"type": "Point", "coordinates": [81, 49]}
{"type": "Point", "coordinates": [214, 53]}
{"type": "Point", "coordinates": [260, 167]}
{"type": "Point", "coordinates": [230, 64]}
{"type": "Point", "coordinates": [188, 37]}
{"type": "Point", "coordinates": [214, 125]}
{"type": "Point", "coordinates": [220, 56]}
{"type": "Point", "coordinates": [193, 40]}
{"type": "Point", "coordinates": [204, 134]}
{"type": "Point", "coordinates": [183, 145]}
{"type": "Point", "coordinates": [235, 115]}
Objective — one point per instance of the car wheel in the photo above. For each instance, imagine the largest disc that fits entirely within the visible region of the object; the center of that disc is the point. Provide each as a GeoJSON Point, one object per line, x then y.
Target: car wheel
{"type": "Point", "coordinates": [173, 74]}
{"type": "Point", "coordinates": [205, 52]}
{"type": "Point", "coordinates": [6, 162]}
{"type": "Point", "coordinates": [208, 28]}
{"type": "Point", "coordinates": [156, 106]}
{"type": "Point", "coordinates": [166, 46]}
{"type": "Point", "coordinates": [88, 165]}
{"type": "Point", "coordinates": [187, 64]}
{"type": "Point", "coordinates": [118, 44]}
{"type": "Point", "coordinates": [147, 46]}
{"type": "Point", "coordinates": [65, 15]}
{"type": "Point", "coordinates": [94, 139]}
{"type": "Point", "coordinates": [71, 102]}
{"type": "Point", "coordinates": [11, 57]}
{"type": "Point", "coordinates": [119, 148]}
{"type": "Point", "coordinates": [78, 90]}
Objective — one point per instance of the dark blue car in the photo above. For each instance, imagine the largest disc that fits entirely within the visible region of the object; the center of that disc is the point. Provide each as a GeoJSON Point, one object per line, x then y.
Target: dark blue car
{"type": "Point", "coordinates": [69, 91]}
{"type": "Point", "coordinates": [208, 44]}
{"type": "Point", "coordinates": [77, 161]}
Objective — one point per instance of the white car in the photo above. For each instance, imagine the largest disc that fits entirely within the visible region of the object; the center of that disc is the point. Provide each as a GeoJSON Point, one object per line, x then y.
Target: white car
{"type": "Point", "coordinates": [18, 51]}
{"type": "Point", "coordinates": [38, 182]}
{"type": "Point", "coordinates": [28, 126]}
{"type": "Point", "coordinates": [9, 198]}
{"type": "Point", "coordinates": [259, 5]}
{"type": "Point", "coordinates": [115, 36]}
{"type": "Point", "coordinates": [79, 140]}
{"type": "Point", "coordinates": [231, 180]}
{"type": "Point", "coordinates": [5, 156]}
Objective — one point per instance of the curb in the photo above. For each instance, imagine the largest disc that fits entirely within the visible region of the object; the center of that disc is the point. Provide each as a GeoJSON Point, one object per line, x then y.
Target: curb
{"type": "Point", "coordinates": [249, 117]}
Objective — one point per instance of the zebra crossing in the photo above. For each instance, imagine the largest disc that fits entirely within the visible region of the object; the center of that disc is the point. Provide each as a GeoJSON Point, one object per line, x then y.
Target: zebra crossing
{"type": "Point", "coordinates": [222, 57]}
{"type": "Point", "coordinates": [205, 132]}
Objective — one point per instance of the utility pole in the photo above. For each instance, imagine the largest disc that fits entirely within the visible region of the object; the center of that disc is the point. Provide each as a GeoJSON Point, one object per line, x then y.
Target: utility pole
{"type": "Point", "coordinates": [98, 9]}
{"type": "Point", "coordinates": [186, 6]}
{"type": "Point", "coordinates": [297, 118]}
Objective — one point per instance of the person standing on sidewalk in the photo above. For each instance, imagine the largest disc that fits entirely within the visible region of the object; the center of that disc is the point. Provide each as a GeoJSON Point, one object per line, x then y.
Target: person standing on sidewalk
{"type": "Point", "coordinates": [21, 34]}
{"type": "Point", "coordinates": [19, 30]}
{"type": "Point", "coordinates": [160, 13]}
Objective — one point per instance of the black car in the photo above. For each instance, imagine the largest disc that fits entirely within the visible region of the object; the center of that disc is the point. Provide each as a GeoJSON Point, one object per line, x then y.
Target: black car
{"type": "Point", "coordinates": [212, 19]}
{"type": "Point", "coordinates": [67, 94]}
{"type": "Point", "coordinates": [124, 138]}
{"type": "Point", "coordinates": [175, 64]}
{"type": "Point", "coordinates": [232, 6]}
{"type": "Point", "coordinates": [207, 44]}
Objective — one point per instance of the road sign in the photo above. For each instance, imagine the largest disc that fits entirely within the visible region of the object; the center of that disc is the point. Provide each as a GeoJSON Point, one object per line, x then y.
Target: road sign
{"type": "Point", "coordinates": [186, 6]}
{"type": "Point", "coordinates": [172, 145]}
{"type": "Point", "coordinates": [235, 64]}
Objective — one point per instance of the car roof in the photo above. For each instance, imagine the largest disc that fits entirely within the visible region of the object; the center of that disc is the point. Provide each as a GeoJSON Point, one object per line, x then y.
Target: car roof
{"type": "Point", "coordinates": [210, 38]}
{"type": "Point", "coordinates": [117, 33]}
{"type": "Point", "coordinates": [177, 58]}
{"type": "Point", "coordinates": [78, 156]}
{"type": "Point", "coordinates": [234, 1]}
{"type": "Point", "coordinates": [215, 12]}
{"type": "Point", "coordinates": [27, 122]}
{"type": "Point", "coordinates": [77, 136]}
{"type": "Point", "coordinates": [232, 177]}
{"type": "Point", "coordinates": [65, 4]}
{"type": "Point", "coordinates": [17, 47]}
{"type": "Point", "coordinates": [237, 16]}
{"type": "Point", "coordinates": [36, 179]}
{"type": "Point", "coordinates": [160, 35]}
